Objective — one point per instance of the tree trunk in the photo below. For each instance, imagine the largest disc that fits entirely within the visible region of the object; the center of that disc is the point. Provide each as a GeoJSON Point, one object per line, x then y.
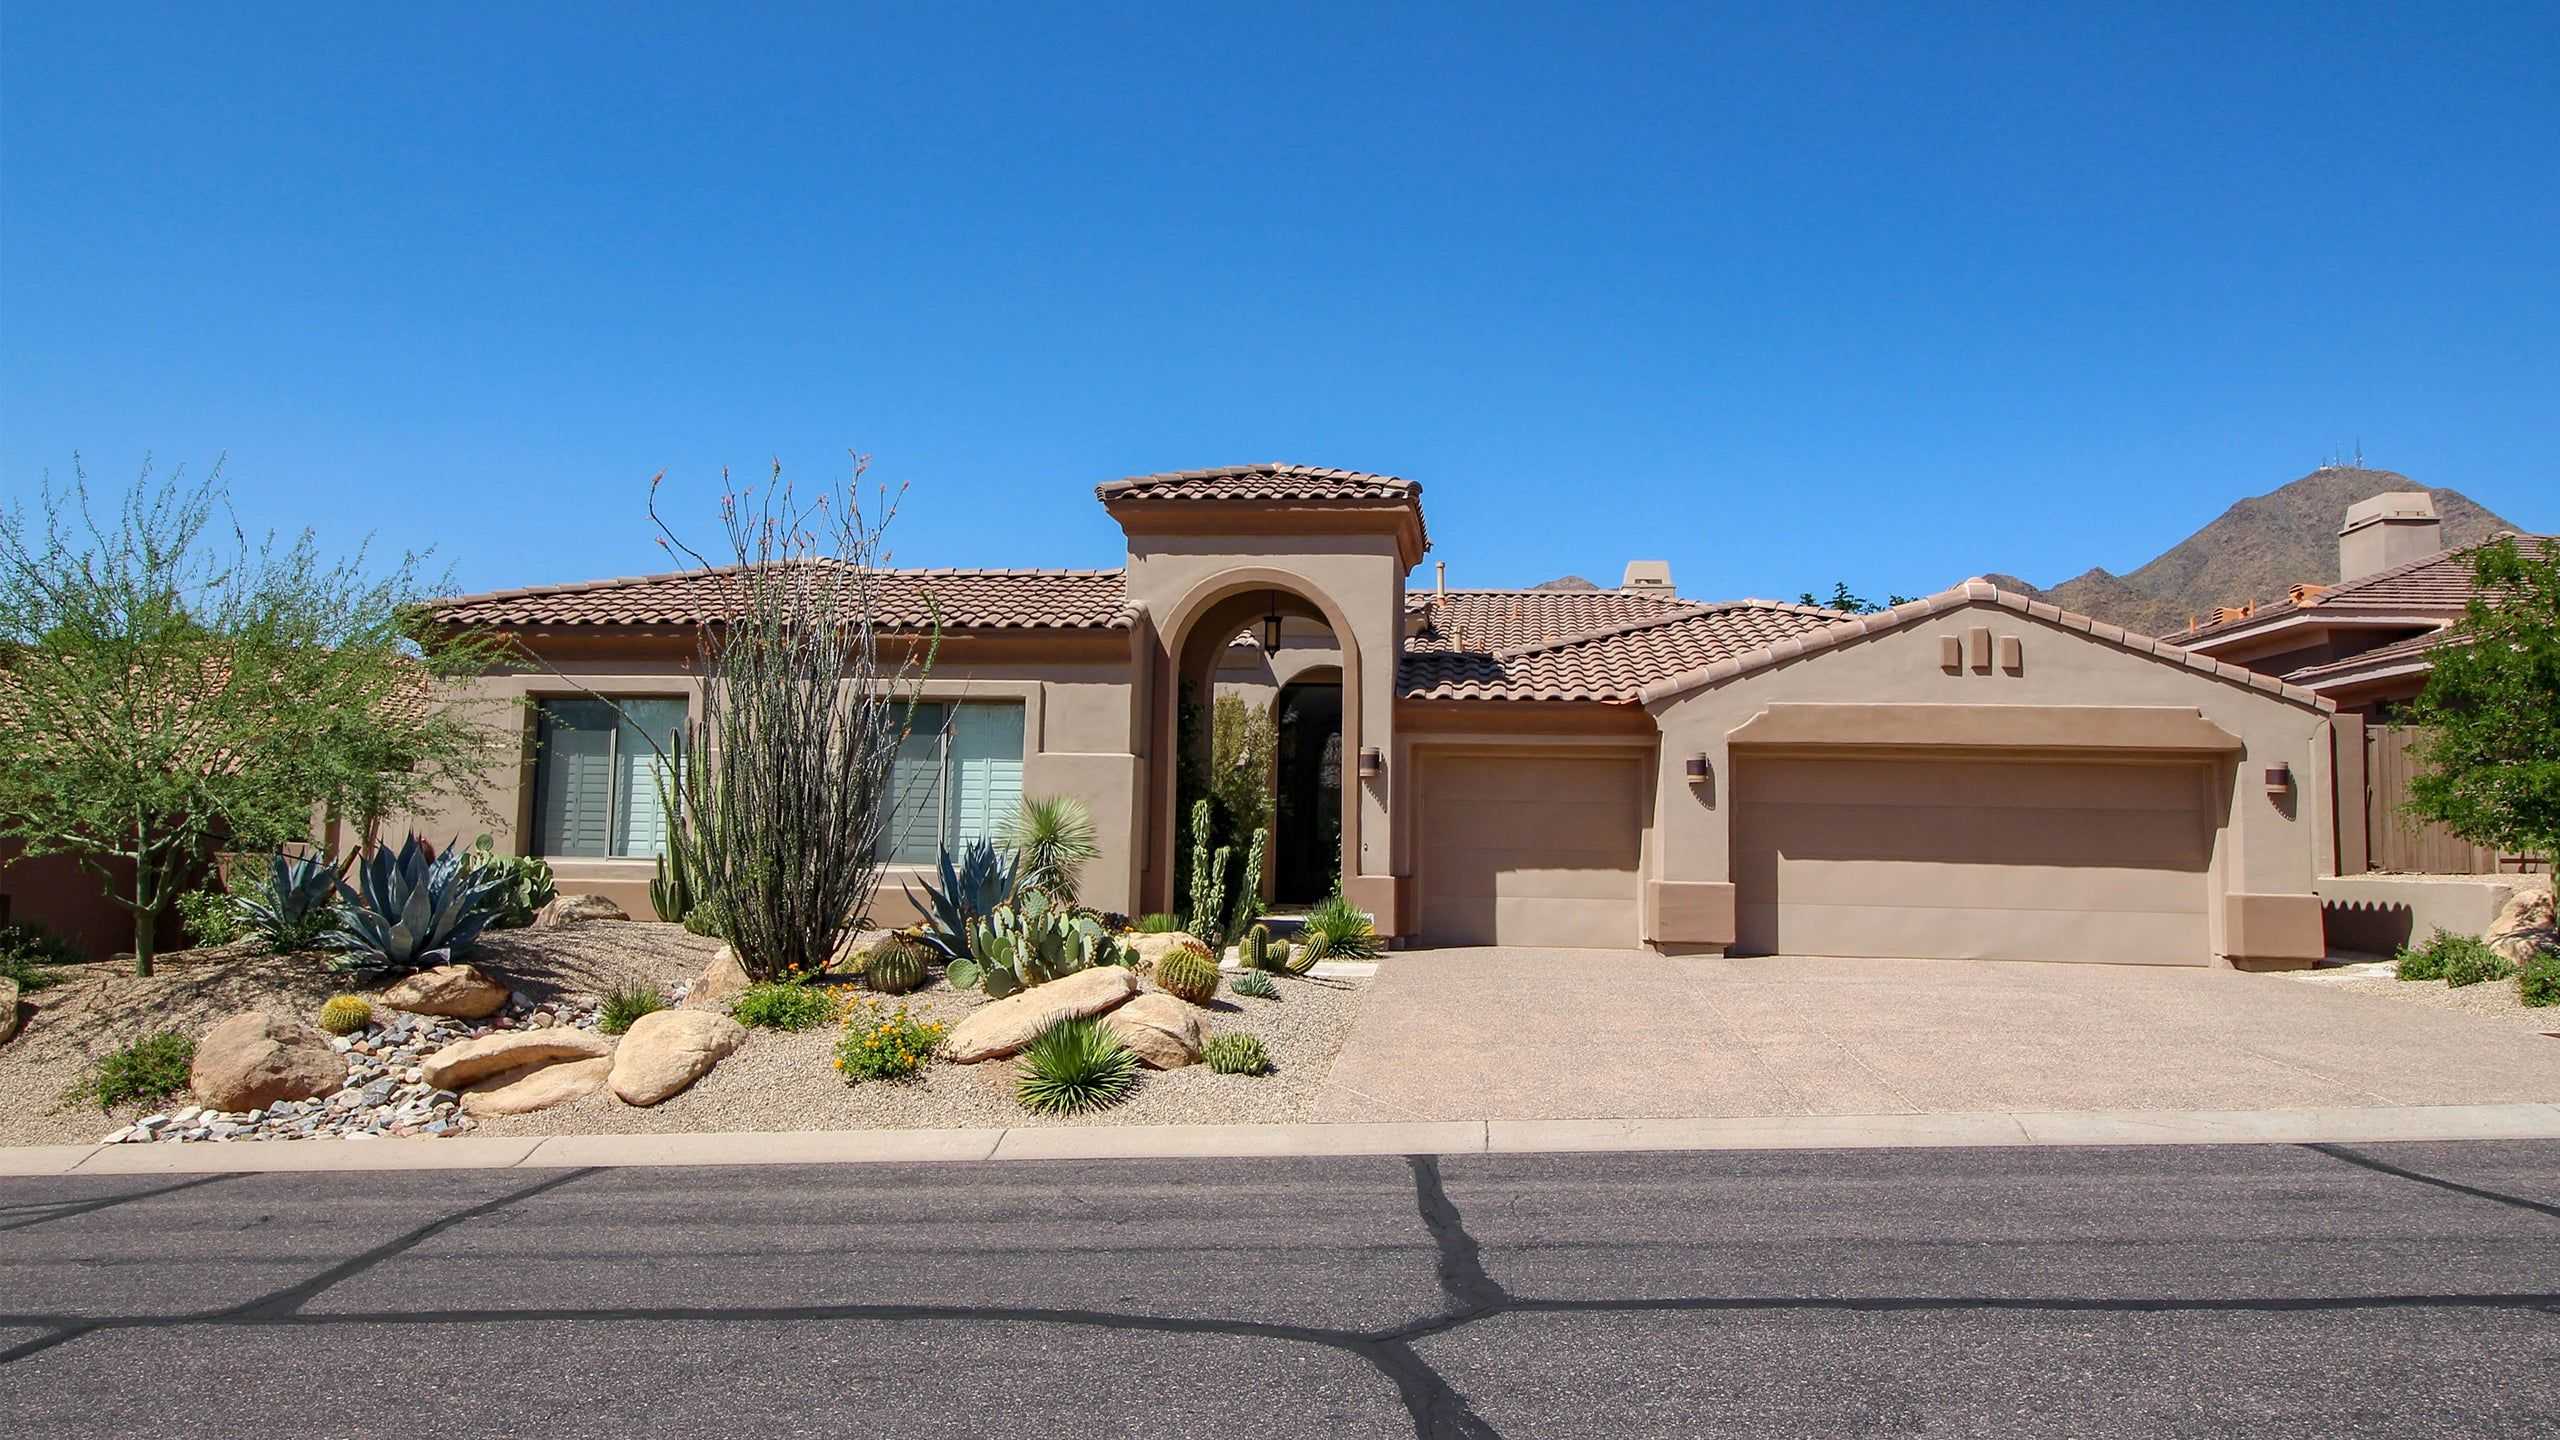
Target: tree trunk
{"type": "Point", "coordinates": [146, 920]}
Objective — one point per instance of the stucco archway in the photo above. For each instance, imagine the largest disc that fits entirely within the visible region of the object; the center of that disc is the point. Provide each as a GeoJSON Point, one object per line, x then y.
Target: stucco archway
{"type": "Point", "coordinates": [1194, 633]}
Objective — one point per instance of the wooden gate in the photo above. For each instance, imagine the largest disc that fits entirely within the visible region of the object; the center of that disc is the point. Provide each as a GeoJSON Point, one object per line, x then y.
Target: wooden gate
{"type": "Point", "coordinates": [2396, 840]}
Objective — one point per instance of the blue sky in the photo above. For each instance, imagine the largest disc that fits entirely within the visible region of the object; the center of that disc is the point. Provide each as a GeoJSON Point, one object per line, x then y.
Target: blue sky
{"type": "Point", "coordinates": [1782, 294]}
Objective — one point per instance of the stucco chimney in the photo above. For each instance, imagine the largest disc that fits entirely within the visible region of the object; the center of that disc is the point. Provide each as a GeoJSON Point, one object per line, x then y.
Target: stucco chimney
{"type": "Point", "coordinates": [1647, 575]}
{"type": "Point", "coordinates": [2386, 531]}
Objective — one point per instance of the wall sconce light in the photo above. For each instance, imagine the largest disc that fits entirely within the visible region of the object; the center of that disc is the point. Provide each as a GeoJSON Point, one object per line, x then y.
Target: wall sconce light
{"type": "Point", "coordinates": [1271, 627]}
{"type": "Point", "coordinates": [2279, 779]}
{"type": "Point", "coordinates": [1371, 762]}
{"type": "Point", "coordinates": [1698, 770]}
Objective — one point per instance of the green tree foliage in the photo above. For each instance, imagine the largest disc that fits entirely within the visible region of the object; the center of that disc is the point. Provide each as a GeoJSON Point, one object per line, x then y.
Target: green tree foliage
{"type": "Point", "coordinates": [169, 683]}
{"type": "Point", "coordinates": [2491, 758]}
{"type": "Point", "coordinates": [1844, 599]}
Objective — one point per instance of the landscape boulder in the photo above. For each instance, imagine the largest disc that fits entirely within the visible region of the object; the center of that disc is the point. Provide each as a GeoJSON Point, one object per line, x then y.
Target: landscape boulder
{"type": "Point", "coordinates": [458, 991]}
{"type": "Point", "coordinates": [2525, 926]}
{"type": "Point", "coordinates": [1163, 1032]}
{"type": "Point", "coordinates": [1151, 948]}
{"type": "Point", "coordinates": [1006, 1025]}
{"type": "Point", "coordinates": [575, 910]}
{"type": "Point", "coordinates": [720, 982]}
{"type": "Point", "coordinates": [665, 1052]}
{"type": "Point", "coordinates": [8, 1009]}
{"type": "Point", "coordinates": [258, 1057]}
{"type": "Point", "coordinates": [464, 1061]}
{"type": "Point", "coordinates": [521, 1092]}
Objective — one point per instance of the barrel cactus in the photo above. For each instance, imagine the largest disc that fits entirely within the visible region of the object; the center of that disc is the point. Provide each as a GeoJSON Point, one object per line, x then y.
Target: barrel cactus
{"type": "Point", "coordinates": [895, 965]}
{"type": "Point", "coordinates": [345, 1014]}
{"type": "Point", "coordinates": [1187, 974]}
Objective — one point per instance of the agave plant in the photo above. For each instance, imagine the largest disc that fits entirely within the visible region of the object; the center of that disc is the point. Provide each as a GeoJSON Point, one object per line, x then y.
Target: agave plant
{"type": "Point", "coordinates": [414, 909]}
{"type": "Point", "coordinates": [971, 890]}
{"type": "Point", "coordinates": [1030, 941]}
{"type": "Point", "coordinates": [294, 903]}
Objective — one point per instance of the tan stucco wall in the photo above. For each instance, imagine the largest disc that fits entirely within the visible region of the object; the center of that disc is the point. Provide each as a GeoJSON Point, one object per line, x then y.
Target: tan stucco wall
{"type": "Point", "coordinates": [2260, 848]}
{"type": "Point", "coordinates": [1077, 724]}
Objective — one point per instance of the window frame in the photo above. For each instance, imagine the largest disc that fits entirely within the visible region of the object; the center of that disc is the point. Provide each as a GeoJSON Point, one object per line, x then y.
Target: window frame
{"type": "Point", "coordinates": [537, 827]}
{"type": "Point", "coordinates": [946, 785]}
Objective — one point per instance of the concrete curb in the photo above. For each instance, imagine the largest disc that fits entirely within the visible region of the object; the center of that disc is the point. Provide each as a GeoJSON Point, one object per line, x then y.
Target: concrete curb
{"type": "Point", "coordinates": [1419, 1137]}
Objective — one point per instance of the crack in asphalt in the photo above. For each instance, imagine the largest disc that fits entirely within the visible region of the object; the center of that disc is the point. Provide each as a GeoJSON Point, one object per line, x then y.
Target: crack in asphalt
{"type": "Point", "coordinates": [2385, 1167]}
{"type": "Point", "coordinates": [1436, 1407]}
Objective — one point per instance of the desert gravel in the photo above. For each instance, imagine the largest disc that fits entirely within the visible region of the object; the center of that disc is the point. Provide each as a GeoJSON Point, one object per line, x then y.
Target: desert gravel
{"type": "Point", "coordinates": [2495, 1000]}
{"type": "Point", "coordinates": [102, 1006]}
{"type": "Point", "coordinates": [788, 1081]}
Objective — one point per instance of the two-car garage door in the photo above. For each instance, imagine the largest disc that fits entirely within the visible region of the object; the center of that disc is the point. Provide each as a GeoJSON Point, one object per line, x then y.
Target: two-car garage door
{"type": "Point", "coordinates": [1993, 859]}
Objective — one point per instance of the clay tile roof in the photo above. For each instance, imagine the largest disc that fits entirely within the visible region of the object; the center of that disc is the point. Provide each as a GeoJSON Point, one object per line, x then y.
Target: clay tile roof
{"type": "Point", "coordinates": [2438, 584]}
{"type": "Point", "coordinates": [1271, 481]}
{"type": "Point", "coordinates": [2380, 657]}
{"type": "Point", "coordinates": [963, 599]}
{"type": "Point", "coordinates": [1494, 620]}
{"type": "Point", "coordinates": [1653, 639]}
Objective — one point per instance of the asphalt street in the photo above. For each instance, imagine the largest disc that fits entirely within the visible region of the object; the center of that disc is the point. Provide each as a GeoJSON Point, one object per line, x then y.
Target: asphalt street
{"type": "Point", "coordinates": [2404, 1290]}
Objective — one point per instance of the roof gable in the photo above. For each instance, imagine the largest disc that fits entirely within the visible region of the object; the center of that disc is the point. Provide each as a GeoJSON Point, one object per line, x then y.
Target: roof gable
{"type": "Point", "coordinates": [1970, 593]}
{"type": "Point", "coordinates": [2431, 585]}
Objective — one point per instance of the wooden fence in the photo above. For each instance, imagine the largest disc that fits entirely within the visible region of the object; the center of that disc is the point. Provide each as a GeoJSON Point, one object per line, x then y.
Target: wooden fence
{"type": "Point", "coordinates": [2394, 840]}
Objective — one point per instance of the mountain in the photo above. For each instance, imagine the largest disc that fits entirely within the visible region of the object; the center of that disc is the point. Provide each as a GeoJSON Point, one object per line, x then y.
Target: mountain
{"type": "Point", "coordinates": [2254, 551]}
{"type": "Point", "coordinates": [1565, 582]}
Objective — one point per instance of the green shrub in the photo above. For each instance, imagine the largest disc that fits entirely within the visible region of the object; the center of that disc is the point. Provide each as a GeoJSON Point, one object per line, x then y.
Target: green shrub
{"type": "Point", "coordinates": [2473, 963]}
{"type": "Point", "coordinates": [896, 965]}
{"type": "Point", "coordinates": [777, 1005]}
{"type": "Point", "coordinates": [1160, 923]}
{"type": "Point", "coordinates": [147, 1069]}
{"type": "Point", "coordinates": [211, 917]}
{"type": "Point", "coordinates": [1257, 985]}
{"type": "Point", "coordinates": [879, 1043]}
{"type": "Point", "coordinates": [2421, 964]}
{"type": "Point", "coordinates": [28, 951]}
{"type": "Point", "coordinates": [1187, 974]}
{"type": "Point", "coordinates": [527, 883]}
{"type": "Point", "coordinates": [625, 1004]}
{"type": "Point", "coordinates": [345, 1014]}
{"type": "Point", "coordinates": [1236, 1053]}
{"type": "Point", "coordinates": [705, 919]}
{"type": "Point", "coordinates": [2539, 982]}
{"type": "Point", "coordinates": [1075, 1066]}
{"type": "Point", "coordinates": [1340, 930]}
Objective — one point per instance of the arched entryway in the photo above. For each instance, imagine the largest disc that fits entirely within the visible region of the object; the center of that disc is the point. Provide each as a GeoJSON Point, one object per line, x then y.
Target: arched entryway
{"type": "Point", "coordinates": [1247, 610]}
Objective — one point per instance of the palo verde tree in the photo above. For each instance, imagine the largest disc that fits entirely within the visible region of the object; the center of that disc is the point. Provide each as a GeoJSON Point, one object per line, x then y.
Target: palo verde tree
{"type": "Point", "coordinates": [806, 695]}
{"type": "Point", "coordinates": [2490, 762]}
{"type": "Point", "coordinates": [170, 685]}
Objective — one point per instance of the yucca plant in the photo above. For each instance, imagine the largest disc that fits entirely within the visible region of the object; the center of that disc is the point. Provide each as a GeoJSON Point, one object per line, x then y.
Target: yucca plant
{"type": "Point", "coordinates": [413, 909]}
{"type": "Point", "coordinates": [1160, 923]}
{"type": "Point", "coordinates": [625, 1004]}
{"type": "Point", "coordinates": [972, 887]}
{"type": "Point", "coordinates": [294, 903]}
{"type": "Point", "coordinates": [1051, 837]}
{"type": "Point", "coordinates": [1075, 1066]}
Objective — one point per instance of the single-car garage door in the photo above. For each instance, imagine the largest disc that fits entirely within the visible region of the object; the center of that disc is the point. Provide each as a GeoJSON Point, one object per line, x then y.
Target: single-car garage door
{"type": "Point", "coordinates": [1531, 850]}
{"type": "Point", "coordinates": [1971, 859]}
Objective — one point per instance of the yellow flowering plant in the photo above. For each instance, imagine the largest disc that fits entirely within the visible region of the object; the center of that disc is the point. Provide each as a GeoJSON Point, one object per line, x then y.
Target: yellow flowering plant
{"type": "Point", "coordinates": [881, 1043]}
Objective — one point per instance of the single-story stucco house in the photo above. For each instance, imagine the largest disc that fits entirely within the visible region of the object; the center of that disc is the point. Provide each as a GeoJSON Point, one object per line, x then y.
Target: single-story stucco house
{"type": "Point", "coordinates": [1970, 775]}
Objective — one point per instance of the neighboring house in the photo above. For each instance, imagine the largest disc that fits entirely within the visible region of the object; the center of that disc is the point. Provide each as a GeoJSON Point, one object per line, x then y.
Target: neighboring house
{"type": "Point", "coordinates": [2368, 644]}
{"type": "Point", "coordinates": [1970, 775]}
{"type": "Point", "coordinates": [2368, 641]}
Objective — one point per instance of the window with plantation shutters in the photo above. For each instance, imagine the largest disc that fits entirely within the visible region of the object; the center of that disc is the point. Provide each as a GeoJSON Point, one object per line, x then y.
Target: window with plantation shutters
{"type": "Point", "coordinates": [598, 768]}
{"type": "Point", "coordinates": [958, 778]}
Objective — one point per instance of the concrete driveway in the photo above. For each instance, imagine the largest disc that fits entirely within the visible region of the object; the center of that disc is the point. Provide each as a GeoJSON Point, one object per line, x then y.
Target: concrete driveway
{"type": "Point", "coordinates": [1573, 1034]}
